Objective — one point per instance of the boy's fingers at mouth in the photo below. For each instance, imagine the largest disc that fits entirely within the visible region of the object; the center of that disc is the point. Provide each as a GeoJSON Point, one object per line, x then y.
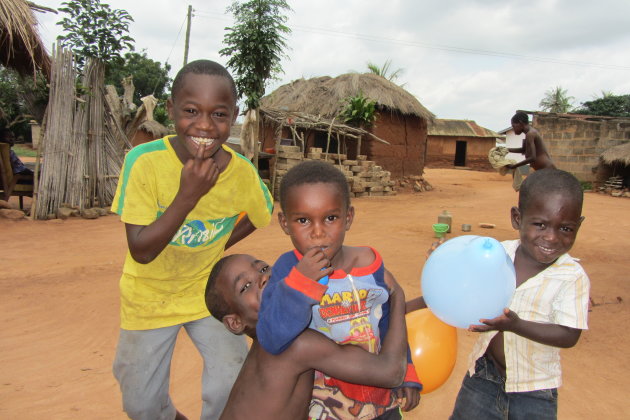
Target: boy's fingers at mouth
{"type": "Point", "coordinates": [200, 151]}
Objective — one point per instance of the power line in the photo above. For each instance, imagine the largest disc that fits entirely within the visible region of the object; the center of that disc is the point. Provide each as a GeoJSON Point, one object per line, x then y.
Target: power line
{"type": "Point", "coordinates": [176, 38]}
{"type": "Point", "coordinates": [170, 52]}
{"type": "Point", "coordinates": [448, 48]}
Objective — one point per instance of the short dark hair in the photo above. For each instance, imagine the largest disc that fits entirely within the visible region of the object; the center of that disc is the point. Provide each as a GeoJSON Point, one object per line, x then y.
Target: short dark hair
{"type": "Point", "coordinates": [520, 117]}
{"type": "Point", "coordinates": [313, 172]}
{"type": "Point", "coordinates": [548, 181]}
{"type": "Point", "coordinates": [4, 133]}
{"type": "Point", "coordinates": [208, 67]}
{"type": "Point", "coordinates": [215, 301]}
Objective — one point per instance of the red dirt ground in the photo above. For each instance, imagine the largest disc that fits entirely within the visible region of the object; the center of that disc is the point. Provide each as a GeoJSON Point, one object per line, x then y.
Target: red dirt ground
{"type": "Point", "coordinates": [59, 282]}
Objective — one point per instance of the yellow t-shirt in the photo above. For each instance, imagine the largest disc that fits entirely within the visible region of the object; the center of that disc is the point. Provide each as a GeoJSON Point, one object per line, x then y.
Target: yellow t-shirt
{"type": "Point", "coordinates": [170, 289]}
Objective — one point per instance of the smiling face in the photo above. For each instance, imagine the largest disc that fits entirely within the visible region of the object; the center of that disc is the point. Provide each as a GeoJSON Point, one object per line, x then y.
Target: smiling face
{"type": "Point", "coordinates": [203, 111]}
{"type": "Point", "coordinates": [241, 283]}
{"type": "Point", "coordinates": [316, 216]}
{"type": "Point", "coordinates": [548, 227]}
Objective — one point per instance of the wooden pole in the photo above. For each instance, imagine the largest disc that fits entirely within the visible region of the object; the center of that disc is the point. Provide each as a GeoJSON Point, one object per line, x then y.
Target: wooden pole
{"type": "Point", "coordinates": [188, 21]}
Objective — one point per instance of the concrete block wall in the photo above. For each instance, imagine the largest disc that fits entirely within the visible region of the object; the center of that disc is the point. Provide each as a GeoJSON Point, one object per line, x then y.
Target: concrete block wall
{"type": "Point", "coordinates": [575, 145]}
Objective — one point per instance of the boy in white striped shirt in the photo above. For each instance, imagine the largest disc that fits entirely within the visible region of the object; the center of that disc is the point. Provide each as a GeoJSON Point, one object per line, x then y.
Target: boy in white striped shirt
{"type": "Point", "coordinates": [514, 369]}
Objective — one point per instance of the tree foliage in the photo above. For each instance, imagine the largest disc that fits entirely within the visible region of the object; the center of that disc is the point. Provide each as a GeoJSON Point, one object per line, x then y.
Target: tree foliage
{"type": "Point", "coordinates": [149, 76]}
{"type": "Point", "coordinates": [557, 100]}
{"type": "Point", "coordinates": [21, 99]}
{"type": "Point", "coordinates": [608, 105]}
{"type": "Point", "coordinates": [255, 45]}
{"type": "Point", "coordinates": [94, 30]}
{"type": "Point", "coordinates": [359, 111]}
{"type": "Point", "coordinates": [385, 70]}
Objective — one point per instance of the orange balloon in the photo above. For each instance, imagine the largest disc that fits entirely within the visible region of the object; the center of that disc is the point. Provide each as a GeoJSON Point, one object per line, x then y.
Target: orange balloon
{"type": "Point", "coordinates": [433, 348]}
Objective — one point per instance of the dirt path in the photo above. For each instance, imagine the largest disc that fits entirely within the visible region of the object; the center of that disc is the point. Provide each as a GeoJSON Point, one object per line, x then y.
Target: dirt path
{"type": "Point", "coordinates": [59, 288]}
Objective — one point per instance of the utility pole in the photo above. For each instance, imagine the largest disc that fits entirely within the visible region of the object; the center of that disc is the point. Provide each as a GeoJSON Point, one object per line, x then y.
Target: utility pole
{"type": "Point", "coordinates": [187, 34]}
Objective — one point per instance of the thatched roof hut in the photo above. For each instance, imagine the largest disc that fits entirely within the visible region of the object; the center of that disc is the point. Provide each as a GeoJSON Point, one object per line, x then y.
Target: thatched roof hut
{"type": "Point", "coordinates": [324, 95]}
{"type": "Point", "coordinates": [21, 47]}
{"type": "Point", "coordinates": [617, 154]}
{"type": "Point", "coordinates": [309, 109]}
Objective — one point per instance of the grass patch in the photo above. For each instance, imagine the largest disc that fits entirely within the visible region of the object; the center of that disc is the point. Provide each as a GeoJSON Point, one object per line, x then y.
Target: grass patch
{"type": "Point", "coordinates": [22, 150]}
{"type": "Point", "coordinates": [586, 185]}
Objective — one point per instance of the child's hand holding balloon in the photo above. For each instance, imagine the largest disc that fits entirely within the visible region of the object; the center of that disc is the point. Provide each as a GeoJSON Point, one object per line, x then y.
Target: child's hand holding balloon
{"type": "Point", "coordinates": [504, 322]}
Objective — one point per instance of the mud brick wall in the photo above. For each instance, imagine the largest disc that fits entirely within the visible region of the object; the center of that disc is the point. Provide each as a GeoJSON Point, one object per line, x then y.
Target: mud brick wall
{"type": "Point", "coordinates": [575, 145]}
{"type": "Point", "coordinates": [446, 162]}
{"type": "Point", "coordinates": [407, 136]}
{"type": "Point", "coordinates": [441, 152]}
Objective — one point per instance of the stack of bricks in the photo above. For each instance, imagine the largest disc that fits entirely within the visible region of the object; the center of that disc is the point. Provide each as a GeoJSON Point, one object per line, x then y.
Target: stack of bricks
{"type": "Point", "coordinates": [286, 158]}
{"type": "Point", "coordinates": [365, 178]}
{"type": "Point", "coordinates": [369, 179]}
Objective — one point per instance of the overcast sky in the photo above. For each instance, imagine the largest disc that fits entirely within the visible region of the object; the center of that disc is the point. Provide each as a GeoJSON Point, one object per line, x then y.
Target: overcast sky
{"type": "Point", "coordinates": [462, 59]}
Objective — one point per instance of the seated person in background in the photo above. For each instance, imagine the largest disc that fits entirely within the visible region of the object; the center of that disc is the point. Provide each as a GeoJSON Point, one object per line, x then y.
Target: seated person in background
{"type": "Point", "coordinates": [7, 136]}
{"type": "Point", "coordinates": [280, 386]}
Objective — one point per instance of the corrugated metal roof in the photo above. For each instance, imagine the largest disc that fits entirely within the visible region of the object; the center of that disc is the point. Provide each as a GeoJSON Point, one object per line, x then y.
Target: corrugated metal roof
{"type": "Point", "coordinates": [460, 128]}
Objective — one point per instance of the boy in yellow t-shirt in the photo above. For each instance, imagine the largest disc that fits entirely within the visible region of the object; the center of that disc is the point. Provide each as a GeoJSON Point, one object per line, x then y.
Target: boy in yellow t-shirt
{"type": "Point", "coordinates": [184, 199]}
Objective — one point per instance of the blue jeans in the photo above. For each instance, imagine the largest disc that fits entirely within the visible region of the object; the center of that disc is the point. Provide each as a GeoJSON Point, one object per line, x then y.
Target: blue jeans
{"type": "Point", "coordinates": [482, 396]}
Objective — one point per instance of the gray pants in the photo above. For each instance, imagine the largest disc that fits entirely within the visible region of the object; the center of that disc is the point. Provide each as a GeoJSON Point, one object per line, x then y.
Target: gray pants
{"type": "Point", "coordinates": [143, 364]}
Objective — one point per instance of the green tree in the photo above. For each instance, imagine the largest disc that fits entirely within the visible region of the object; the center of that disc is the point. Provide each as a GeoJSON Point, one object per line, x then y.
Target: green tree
{"type": "Point", "coordinates": [94, 30]}
{"type": "Point", "coordinates": [556, 100]}
{"type": "Point", "coordinates": [255, 45]}
{"type": "Point", "coordinates": [21, 99]}
{"type": "Point", "coordinates": [149, 76]}
{"type": "Point", "coordinates": [608, 105]}
{"type": "Point", "coordinates": [385, 70]}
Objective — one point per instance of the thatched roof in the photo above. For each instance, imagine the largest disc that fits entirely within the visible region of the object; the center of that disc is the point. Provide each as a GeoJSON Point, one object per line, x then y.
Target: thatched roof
{"type": "Point", "coordinates": [617, 154]}
{"type": "Point", "coordinates": [460, 128]}
{"type": "Point", "coordinates": [21, 48]}
{"type": "Point", "coordinates": [324, 96]}
{"type": "Point", "coordinates": [154, 128]}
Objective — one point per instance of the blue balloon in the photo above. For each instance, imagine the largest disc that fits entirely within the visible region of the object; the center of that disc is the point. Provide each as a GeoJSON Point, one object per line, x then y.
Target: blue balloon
{"type": "Point", "coordinates": [468, 278]}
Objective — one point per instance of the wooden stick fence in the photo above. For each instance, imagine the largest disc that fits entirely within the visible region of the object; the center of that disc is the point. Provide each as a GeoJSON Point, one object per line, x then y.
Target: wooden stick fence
{"type": "Point", "coordinates": [83, 146]}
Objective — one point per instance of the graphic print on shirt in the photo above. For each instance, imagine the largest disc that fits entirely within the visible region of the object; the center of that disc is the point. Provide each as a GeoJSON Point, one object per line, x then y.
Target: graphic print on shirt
{"type": "Point", "coordinates": [350, 312]}
{"type": "Point", "coordinates": [194, 233]}
{"type": "Point", "coordinates": [354, 309]}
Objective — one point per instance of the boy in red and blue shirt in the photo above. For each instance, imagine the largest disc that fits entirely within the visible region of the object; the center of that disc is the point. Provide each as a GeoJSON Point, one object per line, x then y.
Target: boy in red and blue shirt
{"type": "Point", "coordinates": [338, 290]}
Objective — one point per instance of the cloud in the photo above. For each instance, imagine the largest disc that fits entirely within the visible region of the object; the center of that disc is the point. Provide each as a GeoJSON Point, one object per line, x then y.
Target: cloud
{"type": "Point", "coordinates": [447, 49]}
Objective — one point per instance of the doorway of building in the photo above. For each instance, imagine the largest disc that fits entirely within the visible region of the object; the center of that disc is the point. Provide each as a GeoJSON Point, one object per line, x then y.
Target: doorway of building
{"type": "Point", "coordinates": [460, 153]}
{"type": "Point", "coordinates": [321, 140]}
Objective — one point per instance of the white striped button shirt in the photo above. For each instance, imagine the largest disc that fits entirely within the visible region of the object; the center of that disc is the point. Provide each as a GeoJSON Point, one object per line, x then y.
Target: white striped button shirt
{"type": "Point", "coordinates": [557, 295]}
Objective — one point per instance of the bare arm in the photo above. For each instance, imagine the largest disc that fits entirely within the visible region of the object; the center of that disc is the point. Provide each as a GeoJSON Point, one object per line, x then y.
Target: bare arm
{"type": "Point", "coordinates": [242, 229]}
{"type": "Point", "coordinates": [198, 176]}
{"type": "Point", "coordinates": [529, 148]}
{"type": "Point", "coordinates": [353, 364]}
{"type": "Point", "coordinates": [415, 304]}
{"type": "Point", "coordinates": [549, 334]}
